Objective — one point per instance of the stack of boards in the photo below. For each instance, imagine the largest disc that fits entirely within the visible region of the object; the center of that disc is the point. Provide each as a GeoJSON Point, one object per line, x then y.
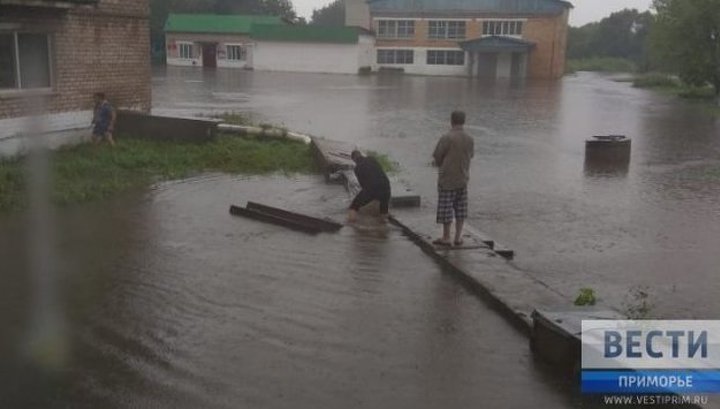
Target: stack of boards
{"type": "Point", "coordinates": [280, 217]}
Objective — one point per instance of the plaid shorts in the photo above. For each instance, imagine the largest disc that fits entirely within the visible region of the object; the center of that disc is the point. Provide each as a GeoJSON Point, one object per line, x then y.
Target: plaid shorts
{"type": "Point", "coordinates": [452, 202]}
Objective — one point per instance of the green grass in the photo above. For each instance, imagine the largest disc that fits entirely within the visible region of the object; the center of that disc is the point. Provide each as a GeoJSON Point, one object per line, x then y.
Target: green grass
{"type": "Point", "coordinates": [235, 118]}
{"type": "Point", "coordinates": [601, 64]}
{"type": "Point", "coordinates": [85, 172]}
{"type": "Point", "coordinates": [672, 85]}
{"type": "Point", "coordinates": [656, 80]}
{"type": "Point", "coordinates": [388, 165]}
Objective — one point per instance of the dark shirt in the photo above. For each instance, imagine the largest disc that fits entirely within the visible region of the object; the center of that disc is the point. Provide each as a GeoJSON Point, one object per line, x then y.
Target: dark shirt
{"type": "Point", "coordinates": [370, 174]}
{"type": "Point", "coordinates": [103, 117]}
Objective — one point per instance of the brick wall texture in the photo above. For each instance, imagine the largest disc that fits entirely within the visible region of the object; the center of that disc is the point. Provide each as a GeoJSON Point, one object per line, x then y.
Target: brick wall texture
{"type": "Point", "coordinates": [549, 33]}
{"type": "Point", "coordinates": [100, 48]}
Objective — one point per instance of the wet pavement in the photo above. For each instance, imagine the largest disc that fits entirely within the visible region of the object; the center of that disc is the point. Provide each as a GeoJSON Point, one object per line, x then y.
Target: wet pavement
{"type": "Point", "coordinates": [167, 301]}
{"type": "Point", "coordinates": [653, 227]}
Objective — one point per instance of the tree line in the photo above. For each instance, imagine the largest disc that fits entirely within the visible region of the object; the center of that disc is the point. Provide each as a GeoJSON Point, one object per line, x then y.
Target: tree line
{"type": "Point", "coordinates": [681, 37]}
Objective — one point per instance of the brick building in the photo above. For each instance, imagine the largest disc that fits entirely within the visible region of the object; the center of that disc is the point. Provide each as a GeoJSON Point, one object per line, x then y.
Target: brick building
{"type": "Point", "coordinates": [55, 54]}
{"type": "Point", "coordinates": [483, 38]}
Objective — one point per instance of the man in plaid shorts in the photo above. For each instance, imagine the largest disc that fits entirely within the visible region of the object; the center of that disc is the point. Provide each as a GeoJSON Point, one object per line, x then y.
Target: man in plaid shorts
{"type": "Point", "coordinates": [452, 156]}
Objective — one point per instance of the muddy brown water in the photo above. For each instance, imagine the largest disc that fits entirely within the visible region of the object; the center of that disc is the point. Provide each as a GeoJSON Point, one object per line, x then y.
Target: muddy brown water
{"type": "Point", "coordinates": [653, 227]}
{"type": "Point", "coordinates": [167, 301]}
{"type": "Point", "coordinates": [164, 300]}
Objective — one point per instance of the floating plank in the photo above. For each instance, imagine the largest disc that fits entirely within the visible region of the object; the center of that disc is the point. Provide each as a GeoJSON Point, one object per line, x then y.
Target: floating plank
{"type": "Point", "coordinates": [402, 196]}
{"type": "Point", "coordinates": [269, 218]}
{"type": "Point", "coordinates": [322, 224]}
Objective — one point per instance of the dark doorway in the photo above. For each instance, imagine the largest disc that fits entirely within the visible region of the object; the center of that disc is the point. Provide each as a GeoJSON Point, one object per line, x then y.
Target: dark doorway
{"type": "Point", "coordinates": [209, 53]}
{"type": "Point", "coordinates": [487, 65]}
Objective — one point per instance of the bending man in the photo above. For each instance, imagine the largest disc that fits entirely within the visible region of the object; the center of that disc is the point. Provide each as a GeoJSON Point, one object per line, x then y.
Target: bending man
{"type": "Point", "coordinates": [374, 183]}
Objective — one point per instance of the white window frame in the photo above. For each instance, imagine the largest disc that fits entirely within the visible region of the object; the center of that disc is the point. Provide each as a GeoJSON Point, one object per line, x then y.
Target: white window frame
{"type": "Point", "coordinates": [181, 44]}
{"type": "Point", "coordinates": [442, 57]}
{"type": "Point", "coordinates": [392, 29]}
{"type": "Point", "coordinates": [243, 52]}
{"type": "Point", "coordinates": [503, 27]}
{"type": "Point", "coordinates": [443, 31]}
{"type": "Point", "coordinates": [17, 69]}
{"type": "Point", "coordinates": [396, 53]}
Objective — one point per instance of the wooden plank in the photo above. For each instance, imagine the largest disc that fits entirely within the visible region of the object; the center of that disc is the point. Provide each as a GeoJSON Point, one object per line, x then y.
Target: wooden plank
{"type": "Point", "coordinates": [322, 224]}
{"type": "Point", "coordinates": [268, 218]}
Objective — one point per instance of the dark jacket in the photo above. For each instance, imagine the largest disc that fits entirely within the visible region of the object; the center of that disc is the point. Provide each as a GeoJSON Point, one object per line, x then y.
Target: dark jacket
{"type": "Point", "coordinates": [371, 175]}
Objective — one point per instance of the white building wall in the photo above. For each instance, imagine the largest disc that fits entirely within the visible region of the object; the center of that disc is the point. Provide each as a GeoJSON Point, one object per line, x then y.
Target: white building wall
{"type": "Point", "coordinates": [420, 65]}
{"type": "Point", "coordinates": [55, 130]}
{"type": "Point", "coordinates": [357, 13]}
{"type": "Point", "coordinates": [181, 62]}
{"type": "Point", "coordinates": [306, 57]}
{"type": "Point", "coordinates": [366, 51]}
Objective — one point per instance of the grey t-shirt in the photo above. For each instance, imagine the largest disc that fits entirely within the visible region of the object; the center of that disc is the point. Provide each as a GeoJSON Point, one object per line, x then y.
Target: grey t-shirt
{"type": "Point", "coordinates": [452, 155]}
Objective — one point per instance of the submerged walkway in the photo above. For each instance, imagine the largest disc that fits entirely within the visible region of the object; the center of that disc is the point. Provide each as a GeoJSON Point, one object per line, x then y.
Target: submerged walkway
{"type": "Point", "coordinates": [481, 261]}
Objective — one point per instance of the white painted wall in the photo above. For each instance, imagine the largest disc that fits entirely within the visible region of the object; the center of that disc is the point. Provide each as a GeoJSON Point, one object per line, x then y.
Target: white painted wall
{"type": "Point", "coordinates": [357, 13]}
{"type": "Point", "coordinates": [366, 51]}
{"type": "Point", "coordinates": [420, 66]}
{"type": "Point", "coordinates": [55, 130]}
{"type": "Point", "coordinates": [306, 57]}
{"type": "Point", "coordinates": [181, 62]}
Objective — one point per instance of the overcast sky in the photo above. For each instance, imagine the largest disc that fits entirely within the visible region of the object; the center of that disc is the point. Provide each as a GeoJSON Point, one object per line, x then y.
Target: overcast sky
{"type": "Point", "coordinates": [584, 12]}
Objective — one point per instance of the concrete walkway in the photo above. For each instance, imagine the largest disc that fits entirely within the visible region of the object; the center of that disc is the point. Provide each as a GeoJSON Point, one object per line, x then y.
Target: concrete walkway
{"type": "Point", "coordinates": [516, 293]}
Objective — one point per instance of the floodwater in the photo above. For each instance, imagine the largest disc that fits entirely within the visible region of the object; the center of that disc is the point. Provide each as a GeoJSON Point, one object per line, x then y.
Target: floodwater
{"type": "Point", "coordinates": [654, 227]}
{"type": "Point", "coordinates": [167, 301]}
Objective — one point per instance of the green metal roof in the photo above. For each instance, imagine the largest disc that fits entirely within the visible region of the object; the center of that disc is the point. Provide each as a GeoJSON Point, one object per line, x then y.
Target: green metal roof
{"type": "Point", "coordinates": [212, 23]}
{"type": "Point", "coordinates": [305, 34]}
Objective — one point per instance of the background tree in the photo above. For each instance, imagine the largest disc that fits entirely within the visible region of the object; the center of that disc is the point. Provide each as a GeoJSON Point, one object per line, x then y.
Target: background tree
{"type": "Point", "coordinates": [331, 15]}
{"type": "Point", "coordinates": [686, 37]}
{"type": "Point", "coordinates": [623, 34]}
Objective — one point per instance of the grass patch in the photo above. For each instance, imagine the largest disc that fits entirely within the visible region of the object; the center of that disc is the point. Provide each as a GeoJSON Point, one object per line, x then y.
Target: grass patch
{"type": "Point", "coordinates": [672, 85]}
{"type": "Point", "coordinates": [656, 80]}
{"type": "Point", "coordinates": [85, 172]}
{"type": "Point", "coordinates": [234, 118]}
{"type": "Point", "coordinates": [600, 64]}
{"type": "Point", "coordinates": [388, 165]}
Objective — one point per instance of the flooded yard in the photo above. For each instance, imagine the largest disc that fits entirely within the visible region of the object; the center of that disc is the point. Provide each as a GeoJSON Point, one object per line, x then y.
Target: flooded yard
{"type": "Point", "coordinates": [167, 301]}
{"type": "Point", "coordinates": [653, 228]}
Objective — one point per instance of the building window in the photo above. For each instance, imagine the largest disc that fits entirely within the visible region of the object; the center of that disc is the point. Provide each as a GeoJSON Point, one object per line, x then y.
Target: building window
{"type": "Point", "coordinates": [445, 57]}
{"type": "Point", "coordinates": [24, 61]}
{"type": "Point", "coordinates": [395, 57]}
{"type": "Point", "coordinates": [450, 30]}
{"type": "Point", "coordinates": [185, 50]}
{"type": "Point", "coordinates": [396, 29]}
{"type": "Point", "coordinates": [502, 28]}
{"type": "Point", "coordinates": [236, 53]}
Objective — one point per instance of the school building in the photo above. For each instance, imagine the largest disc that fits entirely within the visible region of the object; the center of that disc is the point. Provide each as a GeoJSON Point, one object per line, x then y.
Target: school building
{"type": "Point", "coordinates": [479, 38]}
{"type": "Point", "coordinates": [54, 55]}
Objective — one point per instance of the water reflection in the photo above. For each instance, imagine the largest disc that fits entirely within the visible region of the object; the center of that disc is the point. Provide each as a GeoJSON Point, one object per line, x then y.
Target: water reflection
{"type": "Point", "coordinates": [530, 181]}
